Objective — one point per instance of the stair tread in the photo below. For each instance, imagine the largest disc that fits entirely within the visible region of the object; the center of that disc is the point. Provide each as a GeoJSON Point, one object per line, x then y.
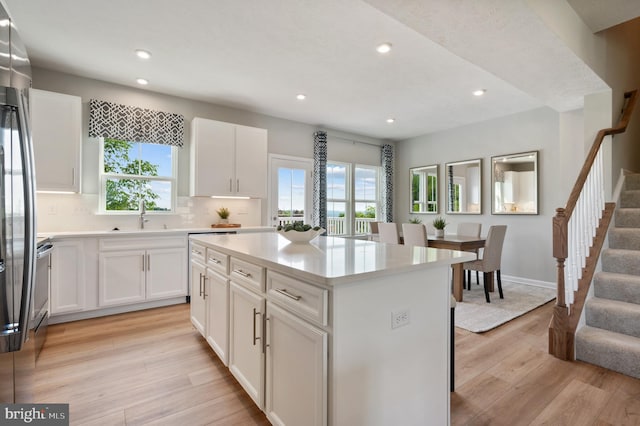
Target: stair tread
{"type": "Point", "coordinates": [590, 332]}
{"type": "Point", "coordinates": [608, 275]}
{"type": "Point", "coordinates": [617, 305]}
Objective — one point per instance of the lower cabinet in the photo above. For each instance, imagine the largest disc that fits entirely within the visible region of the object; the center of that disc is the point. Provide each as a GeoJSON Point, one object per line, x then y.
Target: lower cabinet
{"type": "Point", "coordinates": [246, 351]}
{"type": "Point", "coordinates": [198, 304]}
{"type": "Point", "coordinates": [217, 314]}
{"type": "Point", "coordinates": [68, 283]}
{"type": "Point", "coordinates": [296, 370]}
{"type": "Point", "coordinates": [133, 271]}
{"type": "Point", "coordinates": [269, 329]}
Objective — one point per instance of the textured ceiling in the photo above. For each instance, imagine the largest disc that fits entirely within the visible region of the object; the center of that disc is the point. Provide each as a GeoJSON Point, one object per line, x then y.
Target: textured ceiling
{"type": "Point", "coordinates": [257, 55]}
{"type": "Point", "coordinates": [600, 15]}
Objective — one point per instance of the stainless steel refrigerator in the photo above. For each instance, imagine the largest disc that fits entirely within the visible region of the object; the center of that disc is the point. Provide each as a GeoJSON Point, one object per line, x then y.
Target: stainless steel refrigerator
{"type": "Point", "coordinates": [17, 213]}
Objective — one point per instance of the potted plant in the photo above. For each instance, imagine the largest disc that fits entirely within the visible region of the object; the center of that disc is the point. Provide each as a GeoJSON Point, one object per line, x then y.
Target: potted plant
{"type": "Point", "coordinates": [439, 223]}
{"type": "Point", "coordinates": [223, 213]}
{"type": "Point", "coordinates": [415, 220]}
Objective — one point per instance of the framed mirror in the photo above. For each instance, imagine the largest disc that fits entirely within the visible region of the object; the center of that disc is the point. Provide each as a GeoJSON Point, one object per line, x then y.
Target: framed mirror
{"type": "Point", "coordinates": [514, 183]}
{"type": "Point", "coordinates": [464, 187]}
{"type": "Point", "coordinates": [424, 189]}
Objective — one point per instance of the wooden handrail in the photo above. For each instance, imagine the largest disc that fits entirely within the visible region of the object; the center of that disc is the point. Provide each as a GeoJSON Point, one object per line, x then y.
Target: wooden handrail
{"type": "Point", "coordinates": [562, 328]}
{"type": "Point", "coordinates": [588, 162]}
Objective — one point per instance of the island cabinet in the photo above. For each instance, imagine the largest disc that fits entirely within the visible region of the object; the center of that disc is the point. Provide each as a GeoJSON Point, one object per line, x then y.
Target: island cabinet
{"type": "Point", "coordinates": [133, 270]}
{"type": "Point", "coordinates": [210, 297]}
{"type": "Point", "coordinates": [227, 159]}
{"type": "Point", "coordinates": [314, 330]}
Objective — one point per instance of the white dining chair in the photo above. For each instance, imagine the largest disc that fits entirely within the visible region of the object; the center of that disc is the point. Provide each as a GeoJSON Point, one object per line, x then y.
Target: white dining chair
{"type": "Point", "coordinates": [388, 233]}
{"type": "Point", "coordinates": [431, 230]}
{"type": "Point", "coordinates": [415, 234]}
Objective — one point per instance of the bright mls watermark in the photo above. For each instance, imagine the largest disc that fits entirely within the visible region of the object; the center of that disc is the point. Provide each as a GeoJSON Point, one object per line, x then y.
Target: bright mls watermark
{"type": "Point", "coordinates": [34, 414]}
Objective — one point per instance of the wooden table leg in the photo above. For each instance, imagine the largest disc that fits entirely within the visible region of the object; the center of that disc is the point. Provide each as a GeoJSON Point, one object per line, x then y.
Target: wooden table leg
{"type": "Point", "coordinates": [458, 278]}
{"type": "Point", "coordinates": [490, 281]}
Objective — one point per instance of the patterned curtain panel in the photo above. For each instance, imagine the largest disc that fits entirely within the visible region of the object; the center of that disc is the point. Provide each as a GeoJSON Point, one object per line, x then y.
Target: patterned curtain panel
{"type": "Point", "coordinates": [320, 179]}
{"type": "Point", "coordinates": [111, 120]}
{"type": "Point", "coordinates": [387, 182]}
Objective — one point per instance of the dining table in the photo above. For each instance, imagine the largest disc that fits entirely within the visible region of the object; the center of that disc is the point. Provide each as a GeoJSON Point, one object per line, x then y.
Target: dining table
{"type": "Point", "coordinates": [460, 243]}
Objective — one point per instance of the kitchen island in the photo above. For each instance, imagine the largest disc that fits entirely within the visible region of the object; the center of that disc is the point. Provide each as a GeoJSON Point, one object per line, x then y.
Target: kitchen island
{"type": "Point", "coordinates": [337, 331]}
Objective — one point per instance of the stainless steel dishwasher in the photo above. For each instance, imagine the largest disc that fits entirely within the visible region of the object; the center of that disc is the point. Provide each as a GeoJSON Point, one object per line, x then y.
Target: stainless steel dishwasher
{"type": "Point", "coordinates": [40, 312]}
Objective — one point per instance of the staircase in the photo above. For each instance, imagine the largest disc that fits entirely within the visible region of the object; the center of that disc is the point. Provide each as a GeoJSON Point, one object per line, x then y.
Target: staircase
{"type": "Point", "coordinates": [611, 337]}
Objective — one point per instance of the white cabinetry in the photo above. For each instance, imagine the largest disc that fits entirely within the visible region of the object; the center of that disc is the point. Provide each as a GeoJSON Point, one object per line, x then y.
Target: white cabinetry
{"type": "Point", "coordinates": [57, 140]}
{"type": "Point", "coordinates": [296, 367]}
{"type": "Point", "coordinates": [210, 297]}
{"type": "Point", "coordinates": [227, 159]}
{"type": "Point", "coordinates": [197, 281]}
{"type": "Point", "coordinates": [68, 284]}
{"type": "Point", "coordinates": [246, 356]}
{"type": "Point", "coordinates": [141, 269]}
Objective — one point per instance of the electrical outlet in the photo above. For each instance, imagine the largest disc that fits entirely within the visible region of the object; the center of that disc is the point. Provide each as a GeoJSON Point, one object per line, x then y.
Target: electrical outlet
{"type": "Point", "coordinates": [399, 318]}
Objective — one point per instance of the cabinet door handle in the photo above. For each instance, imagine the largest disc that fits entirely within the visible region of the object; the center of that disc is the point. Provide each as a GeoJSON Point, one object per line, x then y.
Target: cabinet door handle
{"type": "Point", "coordinates": [214, 260]}
{"type": "Point", "coordinates": [143, 263]}
{"type": "Point", "coordinates": [284, 292]}
{"type": "Point", "coordinates": [204, 290]}
{"type": "Point", "coordinates": [238, 185]}
{"type": "Point", "coordinates": [230, 185]}
{"type": "Point", "coordinates": [148, 262]}
{"type": "Point", "coordinates": [200, 283]}
{"type": "Point", "coordinates": [242, 273]}
{"type": "Point", "coordinates": [255, 338]}
{"type": "Point", "coordinates": [266, 334]}
{"type": "Point", "coordinates": [73, 176]}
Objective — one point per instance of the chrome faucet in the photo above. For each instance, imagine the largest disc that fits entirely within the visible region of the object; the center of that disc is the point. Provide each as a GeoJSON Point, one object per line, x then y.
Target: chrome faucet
{"type": "Point", "coordinates": [143, 212]}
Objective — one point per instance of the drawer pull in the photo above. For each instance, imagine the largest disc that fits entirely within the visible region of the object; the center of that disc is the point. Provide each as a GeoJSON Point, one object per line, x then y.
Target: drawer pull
{"type": "Point", "coordinates": [284, 292]}
{"type": "Point", "coordinates": [214, 260]}
{"type": "Point", "coordinates": [198, 252]}
{"type": "Point", "coordinates": [242, 273]}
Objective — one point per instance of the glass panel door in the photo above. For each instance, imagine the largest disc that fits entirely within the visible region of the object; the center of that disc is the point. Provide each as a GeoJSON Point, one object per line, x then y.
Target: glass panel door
{"type": "Point", "coordinates": [290, 193]}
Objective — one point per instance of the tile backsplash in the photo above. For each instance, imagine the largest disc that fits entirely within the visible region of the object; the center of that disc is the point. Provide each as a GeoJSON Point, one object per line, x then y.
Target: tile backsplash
{"type": "Point", "coordinates": [79, 212]}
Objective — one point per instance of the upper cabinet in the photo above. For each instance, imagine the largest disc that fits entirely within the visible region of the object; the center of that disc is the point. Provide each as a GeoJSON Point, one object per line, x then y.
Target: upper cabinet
{"type": "Point", "coordinates": [57, 140]}
{"type": "Point", "coordinates": [228, 159]}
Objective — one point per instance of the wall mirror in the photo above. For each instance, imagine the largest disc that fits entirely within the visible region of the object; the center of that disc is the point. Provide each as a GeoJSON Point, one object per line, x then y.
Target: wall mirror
{"type": "Point", "coordinates": [514, 183]}
{"type": "Point", "coordinates": [464, 186]}
{"type": "Point", "coordinates": [424, 189]}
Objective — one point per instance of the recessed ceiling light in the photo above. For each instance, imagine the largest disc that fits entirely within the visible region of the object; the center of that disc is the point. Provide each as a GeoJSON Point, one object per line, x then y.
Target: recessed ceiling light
{"type": "Point", "coordinates": [301, 97]}
{"type": "Point", "coordinates": [384, 48]}
{"type": "Point", "coordinates": [143, 54]}
{"type": "Point", "coordinates": [479, 92]}
{"type": "Point", "coordinates": [391, 120]}
{"type": "Point", "coordinates": [142, 81]}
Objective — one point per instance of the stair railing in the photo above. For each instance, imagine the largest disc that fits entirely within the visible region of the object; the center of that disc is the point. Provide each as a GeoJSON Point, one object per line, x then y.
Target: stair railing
{"type": "Point", "coordinates": [578, 234]}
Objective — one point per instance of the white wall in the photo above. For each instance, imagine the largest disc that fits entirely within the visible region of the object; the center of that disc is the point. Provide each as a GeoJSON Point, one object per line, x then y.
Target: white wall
{"type": "Point", "coordinates": [79, 212]}
{"type": "Point", "coordinates": [527, 250]}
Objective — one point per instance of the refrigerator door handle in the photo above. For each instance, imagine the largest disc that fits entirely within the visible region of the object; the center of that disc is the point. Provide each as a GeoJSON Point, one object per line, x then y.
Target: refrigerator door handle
{"type": "Point", "coordinates": [29, 215]}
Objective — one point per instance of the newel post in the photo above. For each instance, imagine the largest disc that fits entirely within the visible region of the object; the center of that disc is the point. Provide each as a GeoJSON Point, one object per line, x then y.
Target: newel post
{"type": "Point", "coordinates": [560, 340]}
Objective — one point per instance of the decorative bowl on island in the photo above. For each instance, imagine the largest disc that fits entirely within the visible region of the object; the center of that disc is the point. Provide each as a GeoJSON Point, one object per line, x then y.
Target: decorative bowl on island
{"type": "Point", "coordinates": [299, 234]}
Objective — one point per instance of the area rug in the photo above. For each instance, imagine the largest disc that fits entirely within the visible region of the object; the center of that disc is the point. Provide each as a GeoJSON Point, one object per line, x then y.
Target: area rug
{"type": "Point", "coordinates": [476, 315]}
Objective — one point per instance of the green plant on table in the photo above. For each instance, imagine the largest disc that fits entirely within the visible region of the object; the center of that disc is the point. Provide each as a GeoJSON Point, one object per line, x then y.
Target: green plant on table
{"type": "Point", "coordinates": [415, 220]}
{"type": "Point", "coordinates": [439, 222]}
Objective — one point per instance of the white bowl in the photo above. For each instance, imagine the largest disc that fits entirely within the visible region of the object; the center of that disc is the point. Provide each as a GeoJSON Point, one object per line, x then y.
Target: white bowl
{"type": "Point", "coordinates": [300, 236]}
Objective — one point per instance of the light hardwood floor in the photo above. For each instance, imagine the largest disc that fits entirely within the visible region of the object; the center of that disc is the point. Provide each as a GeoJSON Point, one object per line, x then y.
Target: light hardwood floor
{"type": "Point", "coordinates": [152, 367]}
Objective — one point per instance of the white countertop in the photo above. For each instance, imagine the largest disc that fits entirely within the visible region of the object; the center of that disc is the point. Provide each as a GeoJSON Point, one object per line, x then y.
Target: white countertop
{"type": "Point", "coordinates": [331, 260]}
{"type": "Point", "coordinates": [152, 232]}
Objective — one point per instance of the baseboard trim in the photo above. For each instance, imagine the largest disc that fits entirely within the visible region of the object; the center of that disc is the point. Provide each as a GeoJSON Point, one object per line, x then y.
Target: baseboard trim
{"type": "Point", "coordinates": [75, 316]}
{"type": "Point", "coordinates": [527, 281]}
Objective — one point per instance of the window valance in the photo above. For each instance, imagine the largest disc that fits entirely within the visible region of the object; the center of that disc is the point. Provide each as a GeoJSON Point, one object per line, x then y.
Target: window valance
{"type": "Point", "coordinates": [129, 123]}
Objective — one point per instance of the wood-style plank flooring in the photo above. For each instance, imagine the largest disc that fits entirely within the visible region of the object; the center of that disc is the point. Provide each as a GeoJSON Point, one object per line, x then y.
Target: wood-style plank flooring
{"type": "Point", "coordinates": [152, 367]}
